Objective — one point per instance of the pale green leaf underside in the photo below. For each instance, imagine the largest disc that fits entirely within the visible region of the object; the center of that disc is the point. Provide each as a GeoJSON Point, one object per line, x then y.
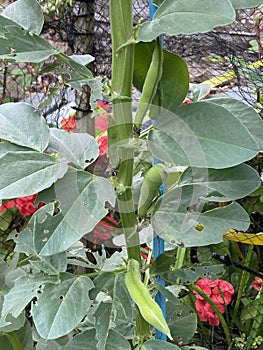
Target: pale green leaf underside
{"type": "Point", "coordinates": [26, 13]}
{"type": "Point", "coordinates": [80, 149]}
{"type": "Point", "coordinates": [23, 125]}
{"type": "Point", "coordinates": [175, 17]}
{"type": "Point", "coordinates": [178, 216]}
{"type": "Point", "coordinates": [27, 173]}
{"type": "Point", "coordinates": [60, 308]}
{"type": "Point", "coordinates": [201, 134]}
{"type": "Point", "coordinates": [223, 185]}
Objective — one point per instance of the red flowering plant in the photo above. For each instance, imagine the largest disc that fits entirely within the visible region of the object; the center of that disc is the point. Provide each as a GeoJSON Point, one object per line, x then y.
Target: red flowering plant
{"type": "Point", "coordinates": [25, 205]}
{"type": "Point", "coordinates": [219, 292]}
{"type": "Point", "coordinates": [69, 124]}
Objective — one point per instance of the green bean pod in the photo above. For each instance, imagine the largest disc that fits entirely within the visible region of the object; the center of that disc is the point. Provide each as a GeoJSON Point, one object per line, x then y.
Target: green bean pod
{"type": "Point", "coordinates": [150, 186]}
{"type": "Point", "coordinates": [149, 89]}
{"type": "Point", "coordinates": [139, 293]}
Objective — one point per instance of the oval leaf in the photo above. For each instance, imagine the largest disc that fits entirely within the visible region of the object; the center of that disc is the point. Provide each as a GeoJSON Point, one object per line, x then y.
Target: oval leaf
{"type": "Point", "coordinates": [223, 185]}
{"type": "Point", "coordinates": [179, 221]}
{"type": "Point", "coordinates": [61, 307]}
{"type": "Point", "coordinates": [15, 119]}
{"type": "Point", "coordinates": [80, 149]}
{"type": "Point", "coordinates": [175, 17]}
{"type": "Point", "coordinates": [26, 173]}
{"type": "Point", "coordinates": [26, 13]}
{"type": "Point", "coordinates": [202, 135]}
{"type": "Point", "coordinates": [245, 114]}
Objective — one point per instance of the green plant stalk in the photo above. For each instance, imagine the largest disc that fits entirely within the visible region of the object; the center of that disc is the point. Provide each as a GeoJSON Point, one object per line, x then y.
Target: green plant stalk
{"type": "Point", "coordinates": [242, 284]}
{"type": "Point", "coordinates": [14, 341]}
{"type": "Point", "coordinates": [121, 131]}
{"type": "Point", "coordinates": [257, 322]}
{"type": "Point", "coordinates": [217, 312]}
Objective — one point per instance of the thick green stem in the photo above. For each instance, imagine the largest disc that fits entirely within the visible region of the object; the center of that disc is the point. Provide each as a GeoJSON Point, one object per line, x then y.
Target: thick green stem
{"type": "Point", "coordinates": [14, 341]}
{"type": "Point", "coordinates": [120, 132]}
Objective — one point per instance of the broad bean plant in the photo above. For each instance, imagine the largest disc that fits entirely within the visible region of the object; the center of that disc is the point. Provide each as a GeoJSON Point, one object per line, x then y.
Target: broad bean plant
{"type": "Point", "coordinates": [201, 150]}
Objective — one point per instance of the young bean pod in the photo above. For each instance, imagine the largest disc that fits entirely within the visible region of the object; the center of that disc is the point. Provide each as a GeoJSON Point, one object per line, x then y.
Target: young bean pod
{"type": "Point", "coordinates": [150, 186]}
{"type": "Point", "coordinates": [150, 84]}
{"type": "Point", "coordinates": [139, 293]}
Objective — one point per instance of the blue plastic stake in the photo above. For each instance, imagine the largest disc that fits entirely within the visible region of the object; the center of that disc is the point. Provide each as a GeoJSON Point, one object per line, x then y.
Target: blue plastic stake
{"type": "Point", "coordinates": [158, 242]}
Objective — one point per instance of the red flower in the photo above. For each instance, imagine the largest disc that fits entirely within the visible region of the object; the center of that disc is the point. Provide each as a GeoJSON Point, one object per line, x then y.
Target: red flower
{"type": "Point", "coordinates": [9, 204]}
{"type": "Point", "coordinates": [25, 205]}
{"type": "Point", "coordinates": [103, 105]}
{"type": "Point", "coordinates": [104, 229]}
{"type": "Point", "coordinates": [101, 122]}
{"type": "Point", "coordinates": [69, 124]}
{"type": "Point", "coordinates": [103, 145]}
{"type": "Point", "coordinates": [257, 283]}
{"type": "Point", "coordinates": [220, 292]}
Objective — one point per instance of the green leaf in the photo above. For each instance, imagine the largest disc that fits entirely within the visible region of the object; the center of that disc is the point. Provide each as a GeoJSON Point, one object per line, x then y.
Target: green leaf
{"type": "Point", "coordinates": [83, 59]}
{"type": "Point", "coordinates": [80, 149]}
{"type": "Point", "coordinates": [83, 341]}
{"type": "Point", "coordinates": [15, 119]}
{"type": "Point", "coordinates": [26, 173]}
{"type": "Point", "coordinates": [24, 241]}
{"type": "Point", "coordinates": [43, 344]}
{"type": "Point", "coordinates": [26, 47]}
{"type": "Point", "coordinates": [9, 323]}
{"type": "Point", "coordinates": [175, 17]}
{"type": "Point", "coordinates": [26, 13]}
{"type": "Point", "coordinates": [223, 185]}
{"type": "Point", "coordinates": [25, 289]}
{"type": "Point", "coordinates": [244, 4]}
{"type": "Point", "coordinates": [154, 344]}
{"type": "Point", "coordinates": [10, 147]}
{"type": "Point", "coordinates": [203, 135]}
{"type": "Point", "coordinates": [60, 308]}
{"type": "Point", "coordinates": [25, 335]}
{"type": "Point", "coordinates": [175, 76]}
{"type": "Point", "coordinates": [245, 114]}
{"type": "Point", "coordinates": [103, 323]}
{"type": "Point", "coordinates": [82, 198]}
{"type": "Point", "coordinates": [178, 218]}
{"type": "Point", "coordinates": [117, 341]}
{"type": "Point", "coordinates": [198, 91]}
{"type": "Point", "coordinates": [193, 273]}
{"type": "Point", "coordinates": [121, 308]}
{"type": "Point", "coordinates": [181, 317]}
{"type": "Point", "coordinates": [163, 263]}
